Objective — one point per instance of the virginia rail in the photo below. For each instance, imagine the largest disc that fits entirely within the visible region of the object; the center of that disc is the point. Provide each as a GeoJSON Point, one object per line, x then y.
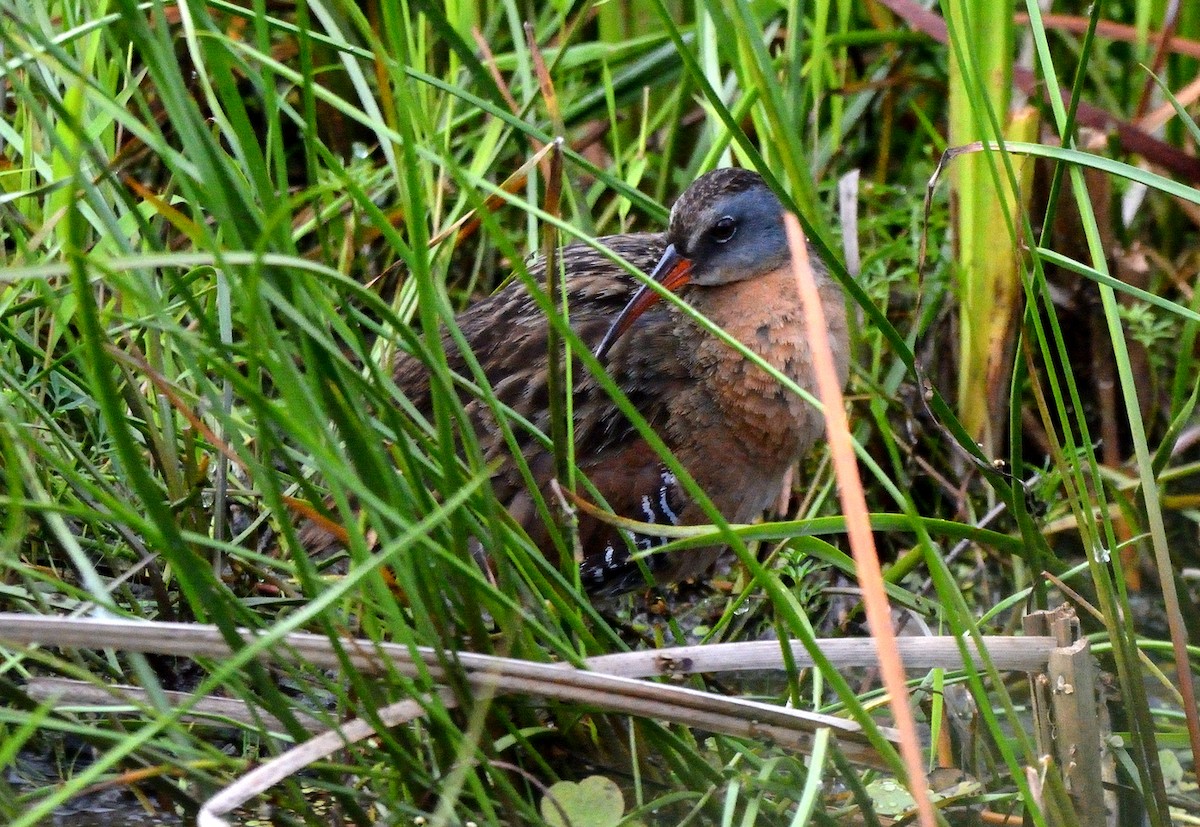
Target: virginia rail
{"type": "Point", "coordinates": [733, 427]}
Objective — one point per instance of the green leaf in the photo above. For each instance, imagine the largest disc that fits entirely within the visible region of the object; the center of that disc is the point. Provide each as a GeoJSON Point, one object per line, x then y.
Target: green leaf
{"type": "Point", "coordinates": [595, 801]}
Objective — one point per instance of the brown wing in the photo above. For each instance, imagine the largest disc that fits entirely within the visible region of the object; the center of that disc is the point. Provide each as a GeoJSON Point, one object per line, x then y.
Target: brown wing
{"type": "Point", "coordinates": [507, 333]}
{"type": "Point", "coordinates": [507, 330]}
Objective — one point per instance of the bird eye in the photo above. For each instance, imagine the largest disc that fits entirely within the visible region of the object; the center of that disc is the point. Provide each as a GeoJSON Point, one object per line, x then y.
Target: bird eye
{"type": "Point", "coordinates": [723, 230]}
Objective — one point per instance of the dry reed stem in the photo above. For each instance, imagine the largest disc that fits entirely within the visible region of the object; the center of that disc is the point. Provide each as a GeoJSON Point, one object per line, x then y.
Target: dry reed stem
{"type": "Point", "coordinates": [858, 523]}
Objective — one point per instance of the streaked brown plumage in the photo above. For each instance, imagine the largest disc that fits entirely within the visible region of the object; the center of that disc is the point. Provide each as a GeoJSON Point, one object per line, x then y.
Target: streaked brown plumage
{"type": "Point", "coordinates": [730, 424]}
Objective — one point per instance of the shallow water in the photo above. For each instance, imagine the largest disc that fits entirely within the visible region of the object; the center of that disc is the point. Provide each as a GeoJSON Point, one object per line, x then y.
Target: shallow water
{"type": "Point", "coordinates": [104, 808]}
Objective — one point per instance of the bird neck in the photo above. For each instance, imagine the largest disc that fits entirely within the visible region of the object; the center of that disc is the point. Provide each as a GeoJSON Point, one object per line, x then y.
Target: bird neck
{"type": "Point", "coordinates": [763, 426]}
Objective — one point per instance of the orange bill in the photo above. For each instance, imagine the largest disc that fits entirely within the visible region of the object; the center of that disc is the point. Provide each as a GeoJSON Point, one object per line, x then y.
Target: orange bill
{"type": "Point", "coordinates": [672, 272]}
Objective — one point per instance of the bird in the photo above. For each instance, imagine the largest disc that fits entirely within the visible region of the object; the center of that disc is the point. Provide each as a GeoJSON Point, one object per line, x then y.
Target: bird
{"type": "Point", "coordinates": [732, 426]}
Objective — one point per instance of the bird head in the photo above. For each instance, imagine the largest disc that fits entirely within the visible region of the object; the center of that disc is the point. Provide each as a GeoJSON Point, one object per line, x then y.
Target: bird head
{"type": "Point", "coordinates": [726, 227]}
